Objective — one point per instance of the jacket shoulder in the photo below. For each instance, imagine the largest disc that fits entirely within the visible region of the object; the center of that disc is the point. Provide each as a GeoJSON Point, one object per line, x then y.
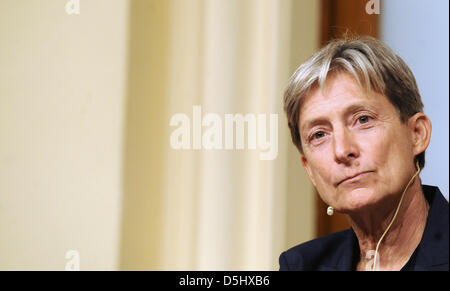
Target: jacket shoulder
{"type": "Point", "coordinates": [319, 254]}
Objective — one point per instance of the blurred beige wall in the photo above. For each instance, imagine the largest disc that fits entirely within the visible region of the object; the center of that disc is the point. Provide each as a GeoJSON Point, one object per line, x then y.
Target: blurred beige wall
{"type": "Point", "coordinates": [62, 92]}
{"type": "Point", "coordinates": [85, 160]}
{"type": "Point", "coordinates": [145, 143]}
{"type": "Point", "coordinates": [300, 203]}
{"type": "Point", "coordinates": [223, 209]}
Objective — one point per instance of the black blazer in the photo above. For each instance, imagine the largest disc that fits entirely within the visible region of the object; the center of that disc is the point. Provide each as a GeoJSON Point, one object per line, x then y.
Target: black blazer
{"type": "Point", "coordinates": [340, 251]}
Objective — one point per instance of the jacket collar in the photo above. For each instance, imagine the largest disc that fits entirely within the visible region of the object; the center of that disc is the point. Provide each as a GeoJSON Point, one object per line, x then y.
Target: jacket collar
{"type": "Point", "coordinates": [348, 254]}
{"type": "Point", "coordinates": [433, 248]}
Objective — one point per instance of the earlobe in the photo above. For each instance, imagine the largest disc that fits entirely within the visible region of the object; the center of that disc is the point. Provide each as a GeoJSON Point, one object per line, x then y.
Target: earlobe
{"type": "Point", "coordinates": [420, 126]}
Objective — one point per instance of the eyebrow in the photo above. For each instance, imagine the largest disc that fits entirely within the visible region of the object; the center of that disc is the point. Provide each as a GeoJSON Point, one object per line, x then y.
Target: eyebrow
{"type": "Point", "coordinates": [322, 119]}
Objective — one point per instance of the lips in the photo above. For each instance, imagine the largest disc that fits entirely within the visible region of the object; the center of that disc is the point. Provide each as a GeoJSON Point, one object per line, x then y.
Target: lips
{"type": "Point", "coordinates": [353, 176]}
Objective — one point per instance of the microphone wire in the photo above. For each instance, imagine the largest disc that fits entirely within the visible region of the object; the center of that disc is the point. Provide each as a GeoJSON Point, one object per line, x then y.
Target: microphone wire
{"type": "Point", "coordinates": [393, 218]}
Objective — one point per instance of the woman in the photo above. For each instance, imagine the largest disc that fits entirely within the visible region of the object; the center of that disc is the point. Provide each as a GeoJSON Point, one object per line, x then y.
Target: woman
{"type": "Point", "coordinates": [356, 116]}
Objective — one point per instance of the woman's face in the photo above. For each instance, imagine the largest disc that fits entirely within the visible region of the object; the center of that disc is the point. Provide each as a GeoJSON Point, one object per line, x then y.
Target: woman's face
{"type": "Point", "coordinates": [357, 152]}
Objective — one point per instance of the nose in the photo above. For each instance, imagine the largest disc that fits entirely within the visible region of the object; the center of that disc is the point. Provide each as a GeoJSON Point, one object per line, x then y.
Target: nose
{"type": "Point", "coordinates": [345, 146]}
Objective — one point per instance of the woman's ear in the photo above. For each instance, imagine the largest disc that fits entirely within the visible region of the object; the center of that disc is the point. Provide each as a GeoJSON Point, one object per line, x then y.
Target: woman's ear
{"type": "Point", "coordinates": [420, 126]}
{"type": "Point", "coordinates": [308, 169]}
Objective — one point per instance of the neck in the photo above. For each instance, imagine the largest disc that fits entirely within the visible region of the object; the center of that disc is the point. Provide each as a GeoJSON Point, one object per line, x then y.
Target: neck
{"type": "Point", "coordinates": [402, 238]}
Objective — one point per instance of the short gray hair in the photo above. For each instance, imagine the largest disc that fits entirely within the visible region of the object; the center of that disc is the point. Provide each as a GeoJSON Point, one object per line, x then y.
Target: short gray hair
{"type": "Point", "coordinates": [374, 66]}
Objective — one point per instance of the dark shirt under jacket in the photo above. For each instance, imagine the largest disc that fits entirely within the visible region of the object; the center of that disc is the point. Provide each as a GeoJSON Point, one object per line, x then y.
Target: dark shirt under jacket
{"type": "Point", "coordinates": [340, 251]}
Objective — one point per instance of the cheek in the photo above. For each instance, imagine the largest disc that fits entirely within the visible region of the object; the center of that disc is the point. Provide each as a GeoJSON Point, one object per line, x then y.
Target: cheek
{"type": "Point", "coordinates": [388, 151]}
{"type": "Point", "coordinates": [321, 171]}
{"type": "Point", "coordinates": [377, 149]}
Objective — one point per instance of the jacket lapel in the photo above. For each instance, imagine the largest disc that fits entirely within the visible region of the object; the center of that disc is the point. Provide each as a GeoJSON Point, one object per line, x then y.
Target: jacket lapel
{"type": "Point", "coordinates": [432, 252]}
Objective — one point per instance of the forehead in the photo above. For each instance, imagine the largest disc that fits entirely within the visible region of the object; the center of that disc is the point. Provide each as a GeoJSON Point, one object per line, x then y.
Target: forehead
{"type": "Point", "coordinates": [341, 94]}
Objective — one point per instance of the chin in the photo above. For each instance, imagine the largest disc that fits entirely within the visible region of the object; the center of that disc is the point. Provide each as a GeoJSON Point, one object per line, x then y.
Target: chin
{"type": "Point", "coordinates": [358, 199]}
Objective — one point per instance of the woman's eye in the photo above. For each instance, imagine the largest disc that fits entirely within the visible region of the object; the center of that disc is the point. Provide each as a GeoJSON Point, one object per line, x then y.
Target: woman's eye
{"type": "Point", "coordinates": [364, 119]}
{"type": "Point", "coordinates": [318, 135]}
